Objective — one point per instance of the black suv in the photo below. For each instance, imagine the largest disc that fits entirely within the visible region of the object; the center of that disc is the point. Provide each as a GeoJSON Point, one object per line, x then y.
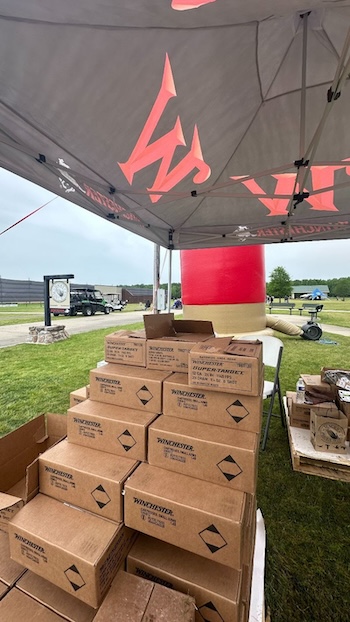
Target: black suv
{"type": "Point", "coordinates": [85, 300]}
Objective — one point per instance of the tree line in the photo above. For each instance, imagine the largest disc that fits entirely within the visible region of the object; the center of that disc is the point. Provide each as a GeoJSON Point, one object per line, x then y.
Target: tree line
{"type": "Point", "coordinates": [281, 285]}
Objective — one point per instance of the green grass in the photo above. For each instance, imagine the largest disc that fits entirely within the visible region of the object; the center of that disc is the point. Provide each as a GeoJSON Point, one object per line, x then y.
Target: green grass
{"type": "Point", "coordinates": [306, 517]}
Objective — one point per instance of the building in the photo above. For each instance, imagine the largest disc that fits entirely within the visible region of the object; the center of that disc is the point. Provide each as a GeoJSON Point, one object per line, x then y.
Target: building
{"type": "Point", "coordinates": [302, 290]}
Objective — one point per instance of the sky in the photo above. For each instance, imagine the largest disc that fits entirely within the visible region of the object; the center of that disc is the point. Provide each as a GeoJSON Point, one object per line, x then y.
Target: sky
{"type": "Point", "coordinates": [63, 238]}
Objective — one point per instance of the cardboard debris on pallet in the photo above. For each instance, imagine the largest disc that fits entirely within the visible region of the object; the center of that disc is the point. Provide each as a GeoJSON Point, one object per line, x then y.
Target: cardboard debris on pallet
{"type": "Point", "coordinates": [328, 430]}
{"type": "Point", "coordinates": [18, 450]}
{"type": "Point", "coordinates": [207, 452]}
{"type": "Point", "coordinates": [113, 429]}
{"type": "Point", "coordinates": [299, 413]}
{"type": "Point", "coordinates": [169, 341]}
{"type": "Point", "coordinates": [76, 550]}
{"type": "Point", "coordinates": [133, 599]}
{"type": "Point", "coordinates": [54, 598]}
{"type": "Point", "coordinates": [90, 479]}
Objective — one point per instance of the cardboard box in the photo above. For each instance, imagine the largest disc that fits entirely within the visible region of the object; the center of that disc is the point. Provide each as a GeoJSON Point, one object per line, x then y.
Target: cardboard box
{"type": "Point", "coordinates": [227, 365]}
{"type": "Point", "coordinates": [215, 588]}
{"type": "Point", "coordinates": [77, 551]}
{"type": "Point", "coordinates": [113, 429]}
{"type": "Point", "coordinates": [54, 598]}
{"type": "Point", "coordinates": [197, 516]}
{"type": "Point", "coordinates": [343, 403]}
{"type": "Point", "coordinates": [16, 606]}
{"type": "Point", "coordinates": [239, 412]}
{"type": "Point", "coordinates": [18, 450]}
{"type": "Point", "coordinates": [328, 430]}
{"type": "Point", "coordinates": [3, 589]}
{"type": "Point", "coordinates": [133, 599]}
{"type": "Point", "coordinates": [207, 452]}
{"type": "Point", "coordinates": [87, 478]}
{"type": "Point", "coordinates": [10, 571]}
{"type": "Point", "coordinates": [299, 414]}
{"type": "Point", "coordinates": [126, 347]}
{"type": "Point", "coordinates": [131, 387]}
{"type": "Point", "coordinates": [169, 341]}
{"type": "Point", "coordinates": [77, 396]}
{"type": "Point", "coordinates": [318, 390]}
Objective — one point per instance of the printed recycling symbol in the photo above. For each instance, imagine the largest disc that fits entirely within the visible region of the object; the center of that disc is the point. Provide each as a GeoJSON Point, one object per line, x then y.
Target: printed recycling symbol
{"type": "Point", "coordinates": [74, 577]}
{"type": "Point", "coordinates": [100, 496]}
{"type": "Point", "coordinates": [127, 440]}
{"type": "Point", "coordinates": [209, 613]}
{"type": "Point", "coordinates": [144, 395]}
{"type": "Point", "coordinates": [213, 539]}
{"type": "Point", "coordinates": [237, 411]}
{"type": "Point", "coordinates": [229, 467]}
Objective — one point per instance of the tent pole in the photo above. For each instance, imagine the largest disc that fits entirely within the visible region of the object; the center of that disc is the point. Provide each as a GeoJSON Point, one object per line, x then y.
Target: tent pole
{"type": "Point", "coordinates": [156, 277]}
{"type": "Point", "coordinates": [169, 280]}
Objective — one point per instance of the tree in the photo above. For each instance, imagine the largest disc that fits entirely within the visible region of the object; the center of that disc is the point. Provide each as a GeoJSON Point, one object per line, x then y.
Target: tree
{"type": "Point", "coordinates": [342, 287]}
{"type": "Point", "coordinates": [280, 284]}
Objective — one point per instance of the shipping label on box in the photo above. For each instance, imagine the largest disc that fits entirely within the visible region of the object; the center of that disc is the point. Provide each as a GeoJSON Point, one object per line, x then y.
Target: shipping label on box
{"type": "Point", "coordinates": [126, 347]}
{"type": "Point", "coordinates": [113, 429]}
{"type": "Point", "coordinates": [137, 600]}
{"type": "Point", "coordinates": [76, 550]}
{"type": "Point", "coordinates": [18, 606]}
{"type": "Point", "coordinates": [77, 396]}
{"type": "Point", "coordinates": [87, 478]}
{"type": "Point", "coordinates": [169, 341]}
{"type": "Point", "coordinates": [195, 515]}
{"type": "Point", "coordinates": [329, 430]}
{"type": "Point", "coordinates": [131, 387]}
{"type": "Point", "coordinates": [10, 571]}
{"type": "Point", "coordinates": [239, 412]}
{"type": "Point", "coordinates": [207, 452]}
{"type": "Point", "coordinates": [55, 598]}
{"type": "Point", "coordinates": [18, 450]}
{"type": "Point", "coordinates": [221, 364]}
{"type": "Point", "coordinates": [216, 588]}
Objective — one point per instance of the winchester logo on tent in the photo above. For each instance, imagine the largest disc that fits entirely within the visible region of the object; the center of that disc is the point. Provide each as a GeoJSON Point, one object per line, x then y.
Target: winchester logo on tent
{"type": "Point", "coordinates": [213, 539]}
{"type": "Point", "coordinates": [237, 411]}
{"type": "Point", "coordinates": [146, 153]}
{"type": "Point", "coordinates": [74, 577]}
{"type": "Point", "coordinates": [127, 440]}
{"type": "Point", "coordinates": [100, 496]}
{"type": "Point", "coordinates": [229, 468]}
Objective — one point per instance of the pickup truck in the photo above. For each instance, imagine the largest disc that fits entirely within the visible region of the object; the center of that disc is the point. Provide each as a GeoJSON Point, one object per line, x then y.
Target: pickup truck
{"type": "Point", "coordinates": [86, 301]}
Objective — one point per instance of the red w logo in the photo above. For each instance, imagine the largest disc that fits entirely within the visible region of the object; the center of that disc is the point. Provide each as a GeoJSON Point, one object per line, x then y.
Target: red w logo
{"type": "Point", "coordinates": [322, 177]}
{"type": "Point", "coordinates": [163, 149]}
{"type": "Point", "coordinates": [186, 5]}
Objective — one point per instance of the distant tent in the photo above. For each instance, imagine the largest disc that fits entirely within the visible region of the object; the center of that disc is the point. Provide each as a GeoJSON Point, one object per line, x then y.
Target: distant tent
{"type": "Point", "coordinates": [317, 294]}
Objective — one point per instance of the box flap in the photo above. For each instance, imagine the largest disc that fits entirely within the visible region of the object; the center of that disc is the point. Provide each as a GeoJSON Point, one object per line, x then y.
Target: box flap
{"type": "Point", "coordinates": [244, 348]}
{"type": "Point", "coordinates": [161, 325]}
{"type": "Point", "coordinates": [203, 327]}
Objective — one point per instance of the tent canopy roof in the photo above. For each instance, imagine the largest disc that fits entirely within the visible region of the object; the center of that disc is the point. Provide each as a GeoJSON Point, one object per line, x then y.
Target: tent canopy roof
{"type": "Point", "coordinates": [193, 123]}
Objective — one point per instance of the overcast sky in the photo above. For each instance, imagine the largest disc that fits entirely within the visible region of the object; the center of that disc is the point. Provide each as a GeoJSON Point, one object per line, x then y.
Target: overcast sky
{"type": "Point", "coordinates": [63, 238]}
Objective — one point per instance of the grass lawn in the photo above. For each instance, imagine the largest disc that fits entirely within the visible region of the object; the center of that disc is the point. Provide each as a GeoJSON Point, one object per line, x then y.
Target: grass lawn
{"type": "Point", "coordinates": [307, 517]}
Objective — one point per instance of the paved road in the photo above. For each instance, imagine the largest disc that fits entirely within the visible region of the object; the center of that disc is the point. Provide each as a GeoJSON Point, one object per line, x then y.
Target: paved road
{"type": "Point", "coordinates": [18, 333]}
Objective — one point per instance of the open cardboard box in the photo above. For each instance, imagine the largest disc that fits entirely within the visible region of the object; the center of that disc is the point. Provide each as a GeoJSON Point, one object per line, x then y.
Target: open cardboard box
{"type": "Point", "coordinates": [18, 452]}
{"type": "Point", "coordinates": [169, 341]}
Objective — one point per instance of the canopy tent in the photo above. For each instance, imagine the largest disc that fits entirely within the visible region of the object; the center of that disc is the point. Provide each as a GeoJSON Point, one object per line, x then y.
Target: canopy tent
{"type": "Point", "coordinates": [193, 123]}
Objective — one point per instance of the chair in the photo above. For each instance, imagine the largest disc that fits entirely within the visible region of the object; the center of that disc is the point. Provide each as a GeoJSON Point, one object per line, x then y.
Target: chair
{"type": "Point", "coordinates": [272, 356]}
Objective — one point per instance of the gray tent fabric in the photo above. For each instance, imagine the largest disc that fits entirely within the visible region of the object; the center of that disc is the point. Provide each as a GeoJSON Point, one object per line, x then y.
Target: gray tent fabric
{"type": "Point", "coordinates": [193, 123]}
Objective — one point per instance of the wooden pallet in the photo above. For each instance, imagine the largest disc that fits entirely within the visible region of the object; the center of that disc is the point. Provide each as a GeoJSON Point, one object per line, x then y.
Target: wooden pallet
{"type": "Point", "coordinates": [306, 459]}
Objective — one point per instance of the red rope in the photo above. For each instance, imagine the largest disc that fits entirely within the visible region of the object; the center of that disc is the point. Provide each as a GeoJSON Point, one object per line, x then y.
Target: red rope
{"type": "Point", "coordinates": [27, 216]}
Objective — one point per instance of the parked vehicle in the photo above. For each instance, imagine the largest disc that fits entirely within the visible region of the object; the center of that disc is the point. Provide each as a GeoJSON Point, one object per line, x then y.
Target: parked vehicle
{"type": "Point", "coordinates": [87, 301]}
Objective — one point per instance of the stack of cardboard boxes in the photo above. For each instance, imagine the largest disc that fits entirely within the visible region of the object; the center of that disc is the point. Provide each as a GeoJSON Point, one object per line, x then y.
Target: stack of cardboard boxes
{"type": "Point", "coordinates": [166, 445]}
